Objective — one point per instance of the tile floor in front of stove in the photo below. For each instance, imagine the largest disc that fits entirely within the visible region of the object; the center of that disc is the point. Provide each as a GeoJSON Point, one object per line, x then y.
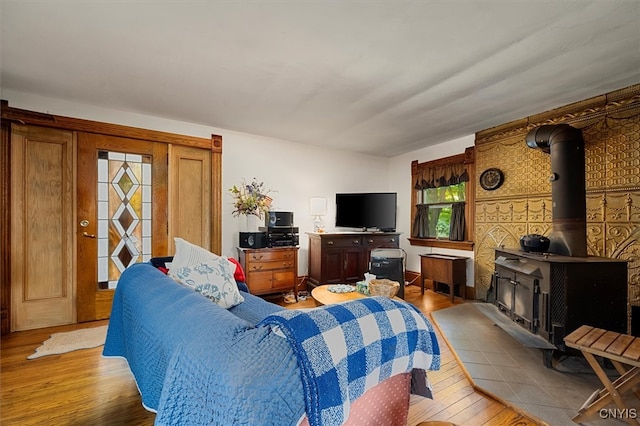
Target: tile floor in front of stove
{"type": "Point", "coordinates": [502, 366]}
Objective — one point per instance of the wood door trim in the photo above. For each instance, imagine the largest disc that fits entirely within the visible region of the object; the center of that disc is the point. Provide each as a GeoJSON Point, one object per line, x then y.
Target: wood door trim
{"type": "Point", "coordinates": [5, 237]}
{"type": "Point", "coordinates": [216, 194]}
{"type": "Point", "coordinates": [22, 116]}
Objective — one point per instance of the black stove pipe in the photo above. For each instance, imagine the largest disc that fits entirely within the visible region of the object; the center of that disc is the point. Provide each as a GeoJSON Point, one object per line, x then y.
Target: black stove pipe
{"type": "Point", "coordinates": [568, 188]}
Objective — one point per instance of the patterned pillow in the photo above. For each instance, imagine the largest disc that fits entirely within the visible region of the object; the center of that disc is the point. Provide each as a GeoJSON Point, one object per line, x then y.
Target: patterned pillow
{"type": "Point", "coordinates": [206, 273]}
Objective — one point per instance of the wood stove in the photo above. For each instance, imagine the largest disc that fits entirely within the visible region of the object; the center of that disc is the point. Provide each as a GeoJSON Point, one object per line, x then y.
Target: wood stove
{"type": "Point", "coordinates": [552, 294]}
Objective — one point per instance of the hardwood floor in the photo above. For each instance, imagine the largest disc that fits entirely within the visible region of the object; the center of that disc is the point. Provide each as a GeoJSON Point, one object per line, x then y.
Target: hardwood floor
{"type": "Point", "coordinates": [83, 388]}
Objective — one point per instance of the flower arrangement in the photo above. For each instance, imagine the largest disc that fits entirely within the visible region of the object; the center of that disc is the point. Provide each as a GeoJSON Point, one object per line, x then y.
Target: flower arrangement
{"type": "Point", "coordinates": [250, 199]}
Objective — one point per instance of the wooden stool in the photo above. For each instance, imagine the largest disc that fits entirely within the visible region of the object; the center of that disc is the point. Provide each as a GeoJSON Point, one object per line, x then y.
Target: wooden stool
{"type": "Point", "coordinates": [624, 353]}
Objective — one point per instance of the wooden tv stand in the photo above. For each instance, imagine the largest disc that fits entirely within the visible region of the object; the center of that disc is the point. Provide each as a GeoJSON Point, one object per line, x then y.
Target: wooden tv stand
{"type": "Point", "coordinates": [343, 257]}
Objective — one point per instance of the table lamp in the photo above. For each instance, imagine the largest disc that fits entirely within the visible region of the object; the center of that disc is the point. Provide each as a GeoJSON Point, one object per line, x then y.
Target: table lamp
{"type": "Point", "coordinates": [318, 208]}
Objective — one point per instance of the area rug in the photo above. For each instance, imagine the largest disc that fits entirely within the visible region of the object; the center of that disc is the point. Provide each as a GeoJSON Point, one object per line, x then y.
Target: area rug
{"type": "Point", "coordinates": [69, 341]}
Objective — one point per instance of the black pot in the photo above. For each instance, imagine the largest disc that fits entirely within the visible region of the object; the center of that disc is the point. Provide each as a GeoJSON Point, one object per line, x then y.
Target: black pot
{"type": "Point", "coordinates": [534, 243]}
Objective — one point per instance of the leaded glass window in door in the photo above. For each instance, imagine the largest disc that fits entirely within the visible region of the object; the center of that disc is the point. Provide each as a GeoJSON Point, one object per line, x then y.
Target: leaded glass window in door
{"type": "Point", "coordinates": [124, 214]}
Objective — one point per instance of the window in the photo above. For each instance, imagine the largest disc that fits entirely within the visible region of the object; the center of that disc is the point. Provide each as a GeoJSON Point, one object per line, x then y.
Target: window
{"type": "Point", "coordinates": [439, 202]}
{"type": "Point", "coordinates": [443, 201]}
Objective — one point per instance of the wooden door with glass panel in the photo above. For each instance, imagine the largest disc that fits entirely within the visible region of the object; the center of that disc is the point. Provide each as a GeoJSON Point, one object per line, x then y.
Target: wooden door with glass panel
{"type": "Point", "coordinates": [121, 214]}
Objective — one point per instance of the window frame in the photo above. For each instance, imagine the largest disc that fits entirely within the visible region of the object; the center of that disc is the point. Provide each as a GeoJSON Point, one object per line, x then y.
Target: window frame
{"type": "Point", "coordinates": [467, 158]}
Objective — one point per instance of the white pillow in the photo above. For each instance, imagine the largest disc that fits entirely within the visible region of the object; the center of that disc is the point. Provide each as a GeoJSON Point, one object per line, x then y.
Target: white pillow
{"type": "Point", "coordinates": [205, 272]}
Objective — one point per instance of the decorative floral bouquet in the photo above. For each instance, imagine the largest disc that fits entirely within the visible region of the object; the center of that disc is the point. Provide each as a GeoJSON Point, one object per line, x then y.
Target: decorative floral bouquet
{"type": "Point", "coordinates": [250, 199]}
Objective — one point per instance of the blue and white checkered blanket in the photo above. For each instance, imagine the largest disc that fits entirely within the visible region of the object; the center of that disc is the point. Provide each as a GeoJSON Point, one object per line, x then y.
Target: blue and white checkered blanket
{"type": "Point", "coordinates": [346, 349]}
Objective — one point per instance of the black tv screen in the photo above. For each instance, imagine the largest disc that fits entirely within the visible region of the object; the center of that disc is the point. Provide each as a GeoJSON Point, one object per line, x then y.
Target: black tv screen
{"type": "Point", "coordinates": [372, 210]}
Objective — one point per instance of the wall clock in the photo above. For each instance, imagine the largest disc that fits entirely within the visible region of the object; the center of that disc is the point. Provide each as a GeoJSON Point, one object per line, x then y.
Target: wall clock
{"type": "Point", "coordinates": [491, 179]}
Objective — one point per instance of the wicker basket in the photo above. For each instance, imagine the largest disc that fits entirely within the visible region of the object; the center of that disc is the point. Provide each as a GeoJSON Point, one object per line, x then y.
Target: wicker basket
{"type": "Point", "coordinates": [384, 287]}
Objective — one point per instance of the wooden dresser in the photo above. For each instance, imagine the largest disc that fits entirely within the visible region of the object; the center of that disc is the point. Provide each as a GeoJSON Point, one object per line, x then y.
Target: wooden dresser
{"type": "Point", "coordinates": [270, 270]}
{"type": "Point", "coordinates": [337, 258]}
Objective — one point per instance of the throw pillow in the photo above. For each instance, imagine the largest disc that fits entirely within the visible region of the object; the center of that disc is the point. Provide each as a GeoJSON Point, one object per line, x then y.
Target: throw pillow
{"type": "Point", "coordinates": [239, 274]}
{"type": "Point", "coordinates": [207, 273]}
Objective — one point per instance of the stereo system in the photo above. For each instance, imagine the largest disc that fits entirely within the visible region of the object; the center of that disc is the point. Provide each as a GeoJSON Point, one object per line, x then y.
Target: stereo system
{"type": "Point", "coordinates": [282, 236]}
{"type": "Point", "coordinates": [278, 219]}
{"type": "Point", "coordinates": [253, 240]}
{"type": "Point", "coordinates": [277, 232]}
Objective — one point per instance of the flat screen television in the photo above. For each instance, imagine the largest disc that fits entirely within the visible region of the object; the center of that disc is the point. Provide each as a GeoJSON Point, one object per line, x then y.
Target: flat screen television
{"type": "Point", "coordinates": [367, 210]}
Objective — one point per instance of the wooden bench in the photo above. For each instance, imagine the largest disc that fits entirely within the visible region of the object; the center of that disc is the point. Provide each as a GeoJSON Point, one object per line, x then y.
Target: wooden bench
{"type": "Point", "coordinates": [623, 351]}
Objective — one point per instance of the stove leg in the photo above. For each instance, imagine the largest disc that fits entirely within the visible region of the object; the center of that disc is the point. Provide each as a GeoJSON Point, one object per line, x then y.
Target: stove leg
{"type": "Point", "coordinates": [547, 357]}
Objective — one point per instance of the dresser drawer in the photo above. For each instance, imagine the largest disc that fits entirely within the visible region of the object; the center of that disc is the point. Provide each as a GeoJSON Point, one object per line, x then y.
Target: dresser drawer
{"type": "Point", "coordinates": [271, 255]}
{"type": "Point", "coordinates": [270, 266]}
{"type": "Point", "coordinates": [350, 241]}
{"type": "Point", "coordinates": [385, 241]}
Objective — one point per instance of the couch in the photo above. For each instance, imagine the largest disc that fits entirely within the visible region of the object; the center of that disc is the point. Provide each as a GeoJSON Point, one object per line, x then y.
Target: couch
{"type": "Point", "coordinates": [195, 362]}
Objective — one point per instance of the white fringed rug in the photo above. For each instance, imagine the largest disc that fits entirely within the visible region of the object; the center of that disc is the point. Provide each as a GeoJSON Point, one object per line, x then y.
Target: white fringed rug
{"type": "Point", "coordinates": [68, 341]}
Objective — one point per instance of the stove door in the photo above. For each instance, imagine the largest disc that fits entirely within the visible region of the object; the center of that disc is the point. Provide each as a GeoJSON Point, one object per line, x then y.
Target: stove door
{"type": "Point", "coordinates": [504, 279]}
{"type": "Point", "coordinates": [525, 301]}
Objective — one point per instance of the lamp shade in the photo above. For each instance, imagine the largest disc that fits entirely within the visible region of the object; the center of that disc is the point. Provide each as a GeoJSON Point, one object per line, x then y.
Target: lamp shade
{"type": "Point", "coordinates": [318, 206]}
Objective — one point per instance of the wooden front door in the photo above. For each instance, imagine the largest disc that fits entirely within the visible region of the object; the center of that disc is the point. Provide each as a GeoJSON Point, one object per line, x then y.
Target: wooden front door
{"type": "Point", "coordinates": [42, 237]}
{"type": "Point", "coordinates": [121, 214]}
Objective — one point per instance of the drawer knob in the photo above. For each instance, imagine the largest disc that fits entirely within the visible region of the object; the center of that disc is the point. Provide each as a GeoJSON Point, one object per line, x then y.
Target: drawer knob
{"type": "Point", "coordinates": [370, 241]}
{"type": "Point", "coordinates": [258, 257]}
{"type": "Point", "coordinates": [257, 268]}
{"type": "Point", "coordinates": [329, 243]}
{"type": "Point", "coordinates": [356, 241]}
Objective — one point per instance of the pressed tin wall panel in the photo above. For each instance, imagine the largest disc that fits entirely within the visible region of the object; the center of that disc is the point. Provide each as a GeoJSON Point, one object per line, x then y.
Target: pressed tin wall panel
{"type": "Point", "coordinates": [610, 126]}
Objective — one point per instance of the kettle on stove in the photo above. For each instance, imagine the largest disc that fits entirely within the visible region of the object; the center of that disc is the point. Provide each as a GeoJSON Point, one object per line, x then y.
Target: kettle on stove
{"type": "Point", "coordinates": [535, 243]}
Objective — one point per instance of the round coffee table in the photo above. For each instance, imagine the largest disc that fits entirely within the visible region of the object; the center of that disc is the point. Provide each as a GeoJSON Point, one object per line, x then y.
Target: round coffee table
{"type": "Point", "coordinates": [323, 296]}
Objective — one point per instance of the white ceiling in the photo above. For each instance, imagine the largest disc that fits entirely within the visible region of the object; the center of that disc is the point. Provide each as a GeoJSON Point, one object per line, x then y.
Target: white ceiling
{"type": "Point", "coordinates": [381, 77]}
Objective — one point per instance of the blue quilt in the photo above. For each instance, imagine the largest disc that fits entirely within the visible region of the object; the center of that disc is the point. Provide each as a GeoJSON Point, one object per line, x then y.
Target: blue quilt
{"type": "Point", "coordinates": [354, 345]}
{"type": "Point", "coordinates": [196, 363]}
{"type": "Point", "coordinates": [210, 366]}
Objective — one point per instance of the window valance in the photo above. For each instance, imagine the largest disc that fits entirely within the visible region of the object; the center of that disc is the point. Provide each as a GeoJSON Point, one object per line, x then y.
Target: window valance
{"type": "Point", "coordinates": [441, 175]}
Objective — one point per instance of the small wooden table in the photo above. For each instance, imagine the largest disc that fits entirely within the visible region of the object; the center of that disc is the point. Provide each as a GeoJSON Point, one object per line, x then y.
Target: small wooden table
{"type": "Point", "coordinates": [322, 295]}
{"type": "Point", "coordinates": [446, 269]}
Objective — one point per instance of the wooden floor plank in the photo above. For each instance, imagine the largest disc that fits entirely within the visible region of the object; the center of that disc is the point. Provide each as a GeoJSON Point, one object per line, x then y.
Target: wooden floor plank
{"type": "Point", "coordinates": [477, 414]}
{"type": "Point", "coordinates": [507, 418]}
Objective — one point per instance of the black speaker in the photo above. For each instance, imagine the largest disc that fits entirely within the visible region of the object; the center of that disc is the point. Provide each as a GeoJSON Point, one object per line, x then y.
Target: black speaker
{"type": "Point", "coordinates": [278, 219]}
{"type": "Point", "coordinates": [254, 240]}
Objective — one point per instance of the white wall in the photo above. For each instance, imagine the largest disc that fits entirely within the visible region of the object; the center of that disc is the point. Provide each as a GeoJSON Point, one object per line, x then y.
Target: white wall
{"type": "Point", "coordinates": [400, 182]}
{"type": "Point", "coordinates": [297, 172]}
